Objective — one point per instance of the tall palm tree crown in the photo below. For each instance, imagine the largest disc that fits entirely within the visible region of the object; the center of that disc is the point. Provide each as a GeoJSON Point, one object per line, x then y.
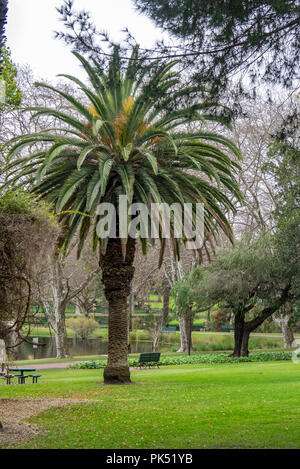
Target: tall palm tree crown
{"type": "Point", "coordinates": [127, 140]}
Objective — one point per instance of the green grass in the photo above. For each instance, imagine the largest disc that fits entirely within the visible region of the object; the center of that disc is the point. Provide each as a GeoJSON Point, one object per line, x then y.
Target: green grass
{"type": "Point", "coordinates": [43, 331]}
{"type": "Point", "coordinates": [249, 405]}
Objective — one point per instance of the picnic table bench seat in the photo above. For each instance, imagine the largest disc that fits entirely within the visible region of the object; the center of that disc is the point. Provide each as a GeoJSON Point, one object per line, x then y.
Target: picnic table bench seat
{"type": "Point", "coordinates": [148, 359]}
{"type": "Point", "coordinates": [34, 378]}
{"type": "Point", "coordinates": [8, 377]}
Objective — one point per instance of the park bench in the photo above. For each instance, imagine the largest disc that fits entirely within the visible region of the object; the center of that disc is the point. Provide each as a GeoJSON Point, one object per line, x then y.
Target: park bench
{"type": "Point", "coordinates": [34, 378]}
{"type": "Point", "coordinates": [148, 359]}
{"type": "Point", "coordinates": [169, 329]}
{"type": "Point", "coordinates": [227, 328]}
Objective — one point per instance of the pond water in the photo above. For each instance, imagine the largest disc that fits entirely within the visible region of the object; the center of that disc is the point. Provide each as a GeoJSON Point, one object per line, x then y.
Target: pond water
{"type": "Point", "coordinates": [77, 347]}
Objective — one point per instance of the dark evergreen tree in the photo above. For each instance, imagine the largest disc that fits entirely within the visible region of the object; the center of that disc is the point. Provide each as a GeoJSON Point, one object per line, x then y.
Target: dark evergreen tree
{"type": "Point", "coordinates": [3, 20]}
{"type": "Point", "coordinates": [227, 36]}
{"type": "Point", "coordinates": [213, 40]}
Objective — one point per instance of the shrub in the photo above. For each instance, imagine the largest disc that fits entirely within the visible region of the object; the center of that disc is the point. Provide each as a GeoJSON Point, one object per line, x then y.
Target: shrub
{"type": "Point", "coordinates": [82, 326]}
{"type": "Point", "coordinates": [194, 359]}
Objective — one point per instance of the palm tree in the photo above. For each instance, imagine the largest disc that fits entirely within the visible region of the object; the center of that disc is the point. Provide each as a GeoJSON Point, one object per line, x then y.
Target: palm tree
{"type": "Point", "coordinates": [125, 140]}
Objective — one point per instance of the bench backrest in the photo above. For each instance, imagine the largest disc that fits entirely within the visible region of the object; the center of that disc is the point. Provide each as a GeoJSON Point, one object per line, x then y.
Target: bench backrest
{"type": "Point", "coordinates": [169, 329]}
{"type": "Point", "coordinates": [149, 357]}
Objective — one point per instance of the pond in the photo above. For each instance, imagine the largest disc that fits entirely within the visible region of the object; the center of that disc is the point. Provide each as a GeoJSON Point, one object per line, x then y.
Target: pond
{"type": "Point", "coordinates": [77, 347]}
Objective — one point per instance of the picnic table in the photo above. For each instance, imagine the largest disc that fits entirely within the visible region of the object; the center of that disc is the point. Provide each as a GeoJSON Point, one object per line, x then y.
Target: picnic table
{"type": "Point", "coordinates": [22, 376]}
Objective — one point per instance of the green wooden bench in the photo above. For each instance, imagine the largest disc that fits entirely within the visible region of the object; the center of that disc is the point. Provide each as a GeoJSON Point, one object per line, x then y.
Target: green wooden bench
{"type": "Point", "coordinates": [148, 359]}
{"type": "Point", "coordinates": [169, 329]}
{"type": "Point", "coordinates": [227, 328]}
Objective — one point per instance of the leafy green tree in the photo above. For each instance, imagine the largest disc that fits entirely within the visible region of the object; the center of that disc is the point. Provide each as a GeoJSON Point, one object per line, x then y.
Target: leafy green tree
{"type": "Point", "coordinates": [82, 326]}
{"type": "Point", "coordinates": [27, 232]}
{"type": "Point", "coordinates": [284, 164]}
{"type": "Point", "coordinates": [125, 141]}
{"type": "Point", "coordinates": [8, 75]}
{"type": "Point", "coordinates": [251, 279]}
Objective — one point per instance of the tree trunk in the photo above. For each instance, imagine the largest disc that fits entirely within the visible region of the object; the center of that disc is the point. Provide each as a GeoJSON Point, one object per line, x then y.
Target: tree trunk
{"type": "Point", "coordinates": [288, 336]}
{"type": "Point", "coordinates": [239, 323]}
{"type": "Point", "coordinates": [61, 340]}
{"type": "Point", "coordinates": [57, 318]}
{"type": "Point", "coordinates": [250, 326]}
{"type": "Point", "coordinates": [116, 277]}
{"type": "Point", "coordinates": [188, 327]}
{"type": "Point", "coordinates": [183, 335]}
{"type": "Point", "coordinates": [11, 340]}
{"type": "Point", "coordinates": [287, 333]}
{"type": "Point", "coordinates": [245, 343]}
{"type": "Point", "coordinates": [166, 298]}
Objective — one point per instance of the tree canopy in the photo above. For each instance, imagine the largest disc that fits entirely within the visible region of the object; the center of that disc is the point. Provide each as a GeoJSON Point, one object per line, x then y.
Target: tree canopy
{"type": "Point", "coordinates": [219, 39]}
{"type": "Point", "coordinates": [213, 41]}
{"type": "Point", "coordinates": [3, 21]}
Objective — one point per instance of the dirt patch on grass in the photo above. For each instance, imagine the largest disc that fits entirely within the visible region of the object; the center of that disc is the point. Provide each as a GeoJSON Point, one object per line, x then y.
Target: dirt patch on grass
{"type": "Point", "coordinates": [14, 412]}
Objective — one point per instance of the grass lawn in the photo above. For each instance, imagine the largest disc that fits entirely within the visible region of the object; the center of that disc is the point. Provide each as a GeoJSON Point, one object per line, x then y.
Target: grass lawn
{"type": "Point", "coordinates": [248, 405]}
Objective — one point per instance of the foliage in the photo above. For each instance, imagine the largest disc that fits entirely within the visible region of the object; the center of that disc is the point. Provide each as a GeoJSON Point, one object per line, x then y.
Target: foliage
{"type": "Point", "coordinates": [245, 275]}
{"type": "Point", "coordinates": [261, 36]}
{"type": "Point", "coordinates": [28, 230]}
{"type": "Point", "coordinates": [8, 73]}
{"type": "Point", "coordinates": [3, 21]}
{"type": "Point", "coordinates": [203, 358]}
{"type": "Point", "coordinates": [284, 164]}
{"type": "Point", "coordinates": [22, 203]}
{"type": "Point", "coordinates": [212, 41]}
{"type": "Point", "coordinates": [82, 326]}
{"type": "Point", "coordinates": [126, 141]}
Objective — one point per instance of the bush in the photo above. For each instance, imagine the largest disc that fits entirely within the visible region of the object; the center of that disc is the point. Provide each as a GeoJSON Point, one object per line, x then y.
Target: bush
{"type": "Point", "coordinates": [194, 359]}
{"type": "Point", "coordinates": [82, 326]}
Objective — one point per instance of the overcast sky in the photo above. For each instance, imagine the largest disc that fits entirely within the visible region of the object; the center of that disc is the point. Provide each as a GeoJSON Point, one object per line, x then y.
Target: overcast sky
{"type": "Point", "coordinates": [31, 24]}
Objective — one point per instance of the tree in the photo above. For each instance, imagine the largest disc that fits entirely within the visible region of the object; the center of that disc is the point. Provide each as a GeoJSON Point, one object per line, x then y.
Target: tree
{"type": "Point", "coordinates": [284, 165]}
{"type": "Point", "coordinates": [3, 21]}
{"type": "Point", "coordinates": [28, 230]}
{"type": "Point", "coordinates": [8, 86]}
{"type": "Point", "coordinates": [8, 74]}
{"type": "Point", "coordinates": [213, 42]}
{"type": "Point", "coordinates": [125, 141]}
{"type": "Point", "coordinates": [253, 280]}
{"type": "Point", "coordinates": [82, 326]}
{"type": "Point", "coordinates": [219, 40]}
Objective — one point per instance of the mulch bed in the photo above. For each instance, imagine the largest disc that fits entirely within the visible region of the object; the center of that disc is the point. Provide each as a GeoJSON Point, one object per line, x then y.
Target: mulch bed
{"type": "Point", "coordinates": [14, 412]}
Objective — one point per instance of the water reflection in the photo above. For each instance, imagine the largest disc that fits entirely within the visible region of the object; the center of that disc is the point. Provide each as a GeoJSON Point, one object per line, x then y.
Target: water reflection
{"type": "Point", "coordinates": [76, 347]}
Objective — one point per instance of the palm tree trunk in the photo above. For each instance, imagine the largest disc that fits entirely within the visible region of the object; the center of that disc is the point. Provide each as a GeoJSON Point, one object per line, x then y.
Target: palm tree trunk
{"type": "Point", "coordinates": [117, 276]}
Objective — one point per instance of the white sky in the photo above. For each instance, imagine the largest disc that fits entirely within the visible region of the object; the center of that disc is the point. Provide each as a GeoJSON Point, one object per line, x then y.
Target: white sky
{"type": "Point", "coordinates": [31, 24]}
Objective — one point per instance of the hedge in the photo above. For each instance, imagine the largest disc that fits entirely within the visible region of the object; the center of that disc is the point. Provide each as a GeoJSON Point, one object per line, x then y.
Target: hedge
{"type": "Point", "coordinates": [194, 359]}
